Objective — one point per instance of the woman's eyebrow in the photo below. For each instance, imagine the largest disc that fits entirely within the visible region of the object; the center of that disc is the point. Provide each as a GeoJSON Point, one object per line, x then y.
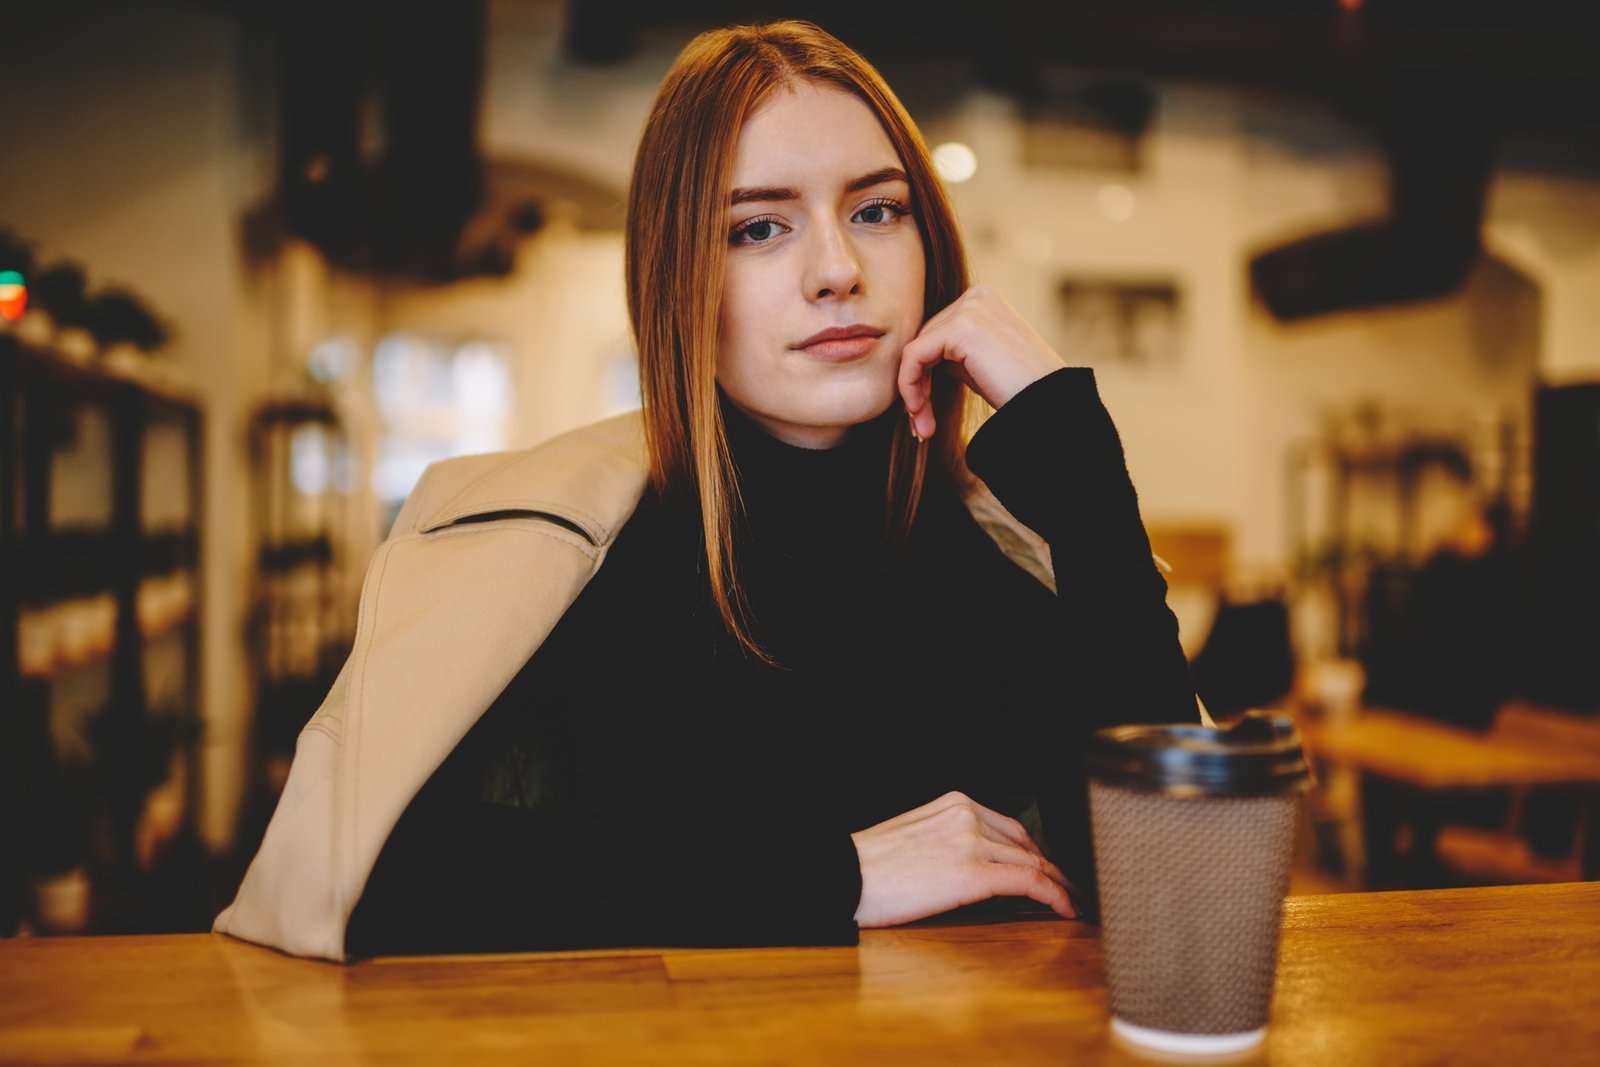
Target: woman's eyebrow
{"type": "Point", "coordinates": [763, 192]}
{"type": "Point", "coordinates": [774, 192]}
{"type": "Point", "coordinates": [877, 177]}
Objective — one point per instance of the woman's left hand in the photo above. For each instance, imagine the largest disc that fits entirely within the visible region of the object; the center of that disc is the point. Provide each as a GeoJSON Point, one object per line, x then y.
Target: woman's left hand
{"type": "Point", "coordinates": [981, 339]}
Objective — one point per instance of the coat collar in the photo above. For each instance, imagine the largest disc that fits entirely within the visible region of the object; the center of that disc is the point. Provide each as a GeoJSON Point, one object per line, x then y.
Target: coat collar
{"type": "Point", "coordinates": [589, 479]}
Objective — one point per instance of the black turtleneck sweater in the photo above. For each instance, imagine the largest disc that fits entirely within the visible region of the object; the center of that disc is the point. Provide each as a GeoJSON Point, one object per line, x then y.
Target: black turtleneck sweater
{"type": "Point", "coordinates": [644, 781]}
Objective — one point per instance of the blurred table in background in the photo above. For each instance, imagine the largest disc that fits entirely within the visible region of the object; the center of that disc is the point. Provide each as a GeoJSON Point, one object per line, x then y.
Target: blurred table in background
{"type": "Point", "coordinates": [1415, 759]}
{"type": "Point", "coordinates": [1499, 975]}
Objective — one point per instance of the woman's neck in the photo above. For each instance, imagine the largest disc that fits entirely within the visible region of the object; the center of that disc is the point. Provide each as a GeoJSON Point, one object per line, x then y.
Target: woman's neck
{"type": "Point", "coordinates": [801, 500]}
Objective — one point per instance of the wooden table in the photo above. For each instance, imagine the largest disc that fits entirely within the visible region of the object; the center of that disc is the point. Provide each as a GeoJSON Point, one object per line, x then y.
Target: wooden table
{"type": "Point", "coordinates": [1433, 755]}
{"type": "Point", "coordinates": [1425, 756]}
{"type": "Point", "coordinates": [1490, 976]}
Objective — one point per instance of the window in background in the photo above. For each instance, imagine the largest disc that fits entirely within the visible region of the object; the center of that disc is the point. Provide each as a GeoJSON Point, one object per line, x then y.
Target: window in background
{"type": "Point", "coordinates": [437, 398]}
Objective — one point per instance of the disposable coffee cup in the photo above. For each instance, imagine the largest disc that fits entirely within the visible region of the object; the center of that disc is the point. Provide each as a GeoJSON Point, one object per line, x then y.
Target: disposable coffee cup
{"type": "Point", "coordinates": [1193, 836]}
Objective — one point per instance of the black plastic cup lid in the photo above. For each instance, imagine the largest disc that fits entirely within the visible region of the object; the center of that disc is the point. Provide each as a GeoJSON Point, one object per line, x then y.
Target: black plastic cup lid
{"type": "Point", "coordinates": [1259, 755]}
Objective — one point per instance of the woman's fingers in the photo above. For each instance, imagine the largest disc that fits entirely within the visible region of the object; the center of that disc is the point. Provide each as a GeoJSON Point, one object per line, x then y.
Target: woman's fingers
{"type": "Point", "coordinates": [921, 354]}
{"type": "Point", "coordinates": [942, 345]}
{"type": "Point", "coordinates": [915, 381]}
{"type": "Point", "coordinates": [946, 853]}
{"type": "Point", "coordinates": [980, 338]}
{"type": "Point", "coordinates": [1006, 827]}
{"type": "Point", "coordinates": [1001, 827]}
{"type": "Point", "coordinates": [1012, 880]}
{"type": "Point", "coordinates": [1008, 854]}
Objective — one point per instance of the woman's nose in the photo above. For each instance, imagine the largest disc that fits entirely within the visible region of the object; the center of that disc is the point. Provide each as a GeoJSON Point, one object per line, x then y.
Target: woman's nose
{"type": "Point", "coordinates": [831, 265]}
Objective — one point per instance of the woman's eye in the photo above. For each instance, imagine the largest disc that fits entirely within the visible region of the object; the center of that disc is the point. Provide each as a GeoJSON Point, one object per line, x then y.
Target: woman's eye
{"type": "Point", "coordinates": [755, 231]}
{"type": "Point", "coordinates": [882, 211]}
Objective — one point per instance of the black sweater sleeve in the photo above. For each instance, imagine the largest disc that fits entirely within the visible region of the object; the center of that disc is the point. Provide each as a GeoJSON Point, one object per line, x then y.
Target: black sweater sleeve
{"type": "Point", "coordinates": [1053, 458]}
{"type": "Point", "coordinates": [460, 875]}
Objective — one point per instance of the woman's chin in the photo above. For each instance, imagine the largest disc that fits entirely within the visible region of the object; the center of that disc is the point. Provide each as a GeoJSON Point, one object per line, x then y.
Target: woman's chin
{"type": "Point", "coordinates": [853, 403]}
{"type": "Point", "coordinates": [844, 416]}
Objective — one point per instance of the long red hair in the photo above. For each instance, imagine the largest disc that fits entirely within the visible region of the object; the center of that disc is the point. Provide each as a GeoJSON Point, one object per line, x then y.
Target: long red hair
{"type": "Point", "coordinates": [676, 246]}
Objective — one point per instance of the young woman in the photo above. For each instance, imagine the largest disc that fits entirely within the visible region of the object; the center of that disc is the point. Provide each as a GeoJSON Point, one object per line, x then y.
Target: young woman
{"type": "Point", "coordinates": [783, 655]}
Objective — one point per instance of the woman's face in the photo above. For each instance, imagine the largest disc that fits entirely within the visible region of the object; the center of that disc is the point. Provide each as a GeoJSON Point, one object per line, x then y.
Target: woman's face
{"type": "Point", "coordinates": [825, 269]}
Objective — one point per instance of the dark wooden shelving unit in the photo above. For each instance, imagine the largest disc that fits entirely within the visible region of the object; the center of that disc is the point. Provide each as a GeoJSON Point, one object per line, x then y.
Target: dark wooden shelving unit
{"type": "Point", "coordinates": [299, 629]}
{"type": "Point", "coordinates": [100, 582]}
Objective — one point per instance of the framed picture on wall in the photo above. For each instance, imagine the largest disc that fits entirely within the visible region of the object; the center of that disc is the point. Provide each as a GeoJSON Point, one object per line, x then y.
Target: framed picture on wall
{"type": "Point", "coordinates": [1120, 322]}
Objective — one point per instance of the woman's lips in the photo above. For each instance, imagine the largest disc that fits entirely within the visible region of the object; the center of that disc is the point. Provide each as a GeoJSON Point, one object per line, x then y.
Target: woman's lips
{"type": "Point", "coordinates": [839, 344]}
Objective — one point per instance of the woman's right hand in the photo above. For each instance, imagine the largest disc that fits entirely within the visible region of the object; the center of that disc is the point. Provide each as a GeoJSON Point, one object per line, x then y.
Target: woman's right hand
{"type": "Point", "coordinates": [949, 852]}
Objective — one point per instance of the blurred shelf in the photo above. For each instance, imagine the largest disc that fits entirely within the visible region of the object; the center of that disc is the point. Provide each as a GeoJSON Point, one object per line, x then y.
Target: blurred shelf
{"type": "Point", "coordinates": [299, 624]}
{"type": "Point", "coordinates": [100, 551]}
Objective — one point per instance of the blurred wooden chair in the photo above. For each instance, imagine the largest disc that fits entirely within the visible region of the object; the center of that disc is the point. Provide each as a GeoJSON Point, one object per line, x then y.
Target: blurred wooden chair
{"type": "Point", "coordinates": [1506, 854]}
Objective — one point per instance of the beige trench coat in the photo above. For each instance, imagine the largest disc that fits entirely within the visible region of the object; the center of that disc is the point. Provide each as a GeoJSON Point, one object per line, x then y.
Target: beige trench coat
{"type": "Point", "coordinates": [483, 559]}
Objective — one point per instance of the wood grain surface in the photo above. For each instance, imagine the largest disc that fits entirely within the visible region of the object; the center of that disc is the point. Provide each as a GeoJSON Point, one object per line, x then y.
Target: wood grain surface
{"type": "Point", "coordinates": [1432, 755]}
{"type": "Point", "coordinates": [1491, 976]}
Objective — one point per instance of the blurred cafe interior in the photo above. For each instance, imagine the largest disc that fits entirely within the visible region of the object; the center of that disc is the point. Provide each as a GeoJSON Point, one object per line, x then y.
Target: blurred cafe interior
{"type": "Point", "coordinates": [1336, 264]}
